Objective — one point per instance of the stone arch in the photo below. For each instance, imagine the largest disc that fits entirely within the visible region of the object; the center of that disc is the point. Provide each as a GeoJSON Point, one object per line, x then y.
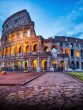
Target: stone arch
{"type": "Point", "coordinates": [72, 65]}
{"type": "Point", "coordinates": [14, 36]}
{"type": "Point", "coordinates": [72, 52]}
{"type": "Point", "coordinates": [4, 51]}
{"type": "Point", "coordinates": [26, 48]}
{"type": "Point", "coordinates": [77, 53]}
{"type": "Point", "coordinates": [53, 46]}
{"type": "Point", "coordinates": [19, 48]}
{"type": "Point", "coordinates": [44, 64]}
{"type": "Point", "coordinates": [35, 48]}
{"type": "Point", "coordinates": [12, 50]}
{"type": "Point", "coordinates": [34, 64]}
{"type": "Point", "coordinates": [67, 51]}
{"type": "Point", "coordinates": [62, 65]}
{"type": "Point", "coordinates": [82, 65]}
{"type": "Point", "coordinates": [62, 50]}
{"type": "Point", "coordinates": [54, 51]}
{"type": "Point", "coordinates": [12, 64]}
{"type": "Point", "coordinates": [54, 63]}
{"type": "Point", "coordinates": [8, 50]}
{"type": "Point", "coordinates": [18, 64]}
{"type": "Point", "coordinates": [77, 65]}
{"type": "Point", "coordinates": [9, 38]}
{"type": "Point", "coordinates": [25, 64]}
{"type": "Point", "coordinates": [45, 48]}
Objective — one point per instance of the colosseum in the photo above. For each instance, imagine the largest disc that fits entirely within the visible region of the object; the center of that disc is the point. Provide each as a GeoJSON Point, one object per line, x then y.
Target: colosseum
{"type": "Point", "coordinates": [21, 49]}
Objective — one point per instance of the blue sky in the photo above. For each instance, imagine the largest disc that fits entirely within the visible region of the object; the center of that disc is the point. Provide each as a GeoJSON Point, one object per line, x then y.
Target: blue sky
{"type": "Point", "coordinates": [51, 17]}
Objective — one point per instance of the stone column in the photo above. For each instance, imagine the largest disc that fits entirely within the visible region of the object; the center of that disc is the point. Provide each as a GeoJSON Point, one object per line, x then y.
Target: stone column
{"type": "Point", "coordinates": [21, 64]}
{"type": "Point", "coordinates": [48, 63]}
{"type": "Point", "coordinates": [75, 53]}
{"type": "Point", "coordinates": [29, 64]}
{"type": "Point", "coordinates": [29, 47]}
{"type": "Point", "coordinates": [38, 64]}
{"type": "Point", "coordinates": [51, 66]}
{"type": "Point", "coordinates": [22, 48]}
{"type": "Point", "coordinates": [80, 65]}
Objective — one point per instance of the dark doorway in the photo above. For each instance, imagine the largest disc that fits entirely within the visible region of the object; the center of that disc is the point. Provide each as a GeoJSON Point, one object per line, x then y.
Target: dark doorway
{"type": "Point", "coordinates": [77, 65]}
{"type": "Point", "coordinates": [72, 53]}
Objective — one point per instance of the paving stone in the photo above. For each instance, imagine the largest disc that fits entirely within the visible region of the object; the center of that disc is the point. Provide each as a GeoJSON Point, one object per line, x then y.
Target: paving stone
{"type": "Point", "coordinates": [57, 90]}
{"type": "Point", "coordinates": [11, 98]}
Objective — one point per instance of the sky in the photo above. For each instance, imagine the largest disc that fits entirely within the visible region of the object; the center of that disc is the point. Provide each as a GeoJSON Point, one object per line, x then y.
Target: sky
{"type": "Point", "coordinates": [51, 17]}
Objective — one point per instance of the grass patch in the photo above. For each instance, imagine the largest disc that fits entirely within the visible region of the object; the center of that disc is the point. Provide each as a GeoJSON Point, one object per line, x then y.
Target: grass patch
{"type": "Point", "coordinates": [78, 75]}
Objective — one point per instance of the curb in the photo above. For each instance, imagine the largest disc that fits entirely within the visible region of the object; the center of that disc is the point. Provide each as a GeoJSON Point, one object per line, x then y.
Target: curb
{"type": "Point", "coordinates": [73, 77]}
{"type": "Point", "coordinates": [23, 83]}
{"type": "Point", "coordinates": [30, 80]}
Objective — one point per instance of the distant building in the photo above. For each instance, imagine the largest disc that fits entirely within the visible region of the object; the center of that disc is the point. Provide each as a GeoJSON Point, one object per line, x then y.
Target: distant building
{"type": "Point", "coordinates": [21, 49]}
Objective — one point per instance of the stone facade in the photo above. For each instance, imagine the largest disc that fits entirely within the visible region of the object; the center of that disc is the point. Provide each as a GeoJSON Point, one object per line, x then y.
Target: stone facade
{"type": "Point", "coordinates": [22, 49]}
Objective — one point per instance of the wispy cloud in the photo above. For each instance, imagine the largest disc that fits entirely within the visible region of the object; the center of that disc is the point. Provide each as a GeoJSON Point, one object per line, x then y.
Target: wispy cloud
{"type": "Point", "coordinates": [71, 24]}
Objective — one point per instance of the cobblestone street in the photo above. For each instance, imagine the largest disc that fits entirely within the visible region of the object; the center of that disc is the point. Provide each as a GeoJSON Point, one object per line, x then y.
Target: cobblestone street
{"type": "Point", "coordinates": [49, 91]}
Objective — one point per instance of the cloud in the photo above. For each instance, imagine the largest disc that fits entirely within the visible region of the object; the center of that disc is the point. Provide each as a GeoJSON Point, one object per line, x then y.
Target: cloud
{"type": "Point", "coordinates": [70, 25]}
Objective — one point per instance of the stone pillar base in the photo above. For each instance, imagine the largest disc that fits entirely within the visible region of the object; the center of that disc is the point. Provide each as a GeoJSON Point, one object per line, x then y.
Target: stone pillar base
{"type": "Point", "coordinates": [51, 69]}
{"type": "Point", "coordinates": [38, 69]}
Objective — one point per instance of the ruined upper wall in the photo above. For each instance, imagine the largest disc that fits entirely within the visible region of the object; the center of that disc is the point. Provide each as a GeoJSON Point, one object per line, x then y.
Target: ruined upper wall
{"type": "Point", "coordinates": [16, 20]}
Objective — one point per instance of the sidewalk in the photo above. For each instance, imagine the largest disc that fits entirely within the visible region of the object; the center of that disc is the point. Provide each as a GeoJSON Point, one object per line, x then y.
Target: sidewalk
{"type": "Point", "coordinates": [17, 78]}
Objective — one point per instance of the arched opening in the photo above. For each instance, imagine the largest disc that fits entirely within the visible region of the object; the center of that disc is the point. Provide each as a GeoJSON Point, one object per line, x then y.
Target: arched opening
{"type": "Point", "coordinates": [77, 53]}
{"type": "Point", "coordinates": [18, 49]}
{"type": "Point", "coordinates": [82, 65]}
{"type": "Point", "coordinates": [45, 48]}
{"type": "Point", "coordinates": [72, 65]}
{"type": "Point", "coordinates": [4, 51]}
{"type": "Point", "coordinates": [8, 51]}
{"type": "Point", "coordinates": [34, 64]}
{"type": "Point", "coordinates": [28, 33]}
{"type": "Point", "coordinates": [26, 64]}
{"type": "Point", "coordinates": [12, 50]}
{"type": "Point", "coordinates": [63, 50]}
{"type": "Point", "coordinates": [81, 53]}
{"type": "Point", "coordinates": [26, 48]}
{"type": "Point", "coordinates": [62, 65]}
{"type": "Point", "coordinates": [9, 38]}
{"type": "Point", "coordinates": [35, 48]}
{"type": "Point", "coordinates": [67, 51]}
{"type": "Point", "coordinates": [7, 63]}
{"type": "Point", "coordinates": [72, 53]}
{"type": "Point", "coordinates": [44, 64]}
{"type": "Point", "coordinates": [54, 63]}
{"type": "Point", "coordinates": [12, 64]}
{"type": "Point", "coordinates": [54, 51]}
{"type": "Point", "coordinates": [77, 65]}
{"type": "Point", "coordinates": [14, 36]}
{"type": "Point", "coordinates": [18, 64]}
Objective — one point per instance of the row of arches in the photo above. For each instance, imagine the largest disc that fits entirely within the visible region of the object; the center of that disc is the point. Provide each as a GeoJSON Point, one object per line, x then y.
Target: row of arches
{"type": "Point", "coordinates": [58, 65]}
{"type": "Point", "coordinates": [18, 49]}
{"type": "Point", "coordinates": [17, 35]}
{"type": "Point", "coordinates": [54, 49]}
{"type": "Point", "coordinates": [66, 51]}
{"type": "Point", "coordinates": [34, 64]}
{"type": "Point", "coordinates": [76, 65]}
